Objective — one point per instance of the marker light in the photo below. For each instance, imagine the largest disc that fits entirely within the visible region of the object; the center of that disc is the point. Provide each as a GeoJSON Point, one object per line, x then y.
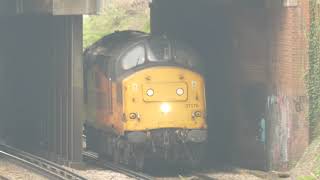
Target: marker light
{"type": "Point", "coordinates": [133, 115]}
{"type": "Point", "coordinates": [179, 91]}
{"type": "Point", "coordinates": [165, 107]}
{"type": "Point", "coordinates": [150, 92]}
{"type": "Point", "coordinates": [197, 114]}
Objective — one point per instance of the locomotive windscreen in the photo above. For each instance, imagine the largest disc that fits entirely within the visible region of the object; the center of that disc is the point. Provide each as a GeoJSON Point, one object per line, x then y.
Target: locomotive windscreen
{"type": "Point", "coordinates": [158, 50]}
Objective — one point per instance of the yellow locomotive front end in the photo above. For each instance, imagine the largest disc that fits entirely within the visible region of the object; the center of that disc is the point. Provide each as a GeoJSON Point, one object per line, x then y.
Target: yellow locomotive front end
{"type": "Point", "coordinates": [164, 97]}
{"type": "Point", "coordinates": [164, 111]}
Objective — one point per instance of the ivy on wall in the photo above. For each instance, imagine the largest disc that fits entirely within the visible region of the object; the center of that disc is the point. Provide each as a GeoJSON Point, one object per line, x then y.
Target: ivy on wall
{"type": "Point", "coordinates": [313, 77]}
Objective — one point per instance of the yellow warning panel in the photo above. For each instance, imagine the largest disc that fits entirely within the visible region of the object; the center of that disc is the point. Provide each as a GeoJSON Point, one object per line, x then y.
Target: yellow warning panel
{"type": "Point", "coordinates": [164, 92]}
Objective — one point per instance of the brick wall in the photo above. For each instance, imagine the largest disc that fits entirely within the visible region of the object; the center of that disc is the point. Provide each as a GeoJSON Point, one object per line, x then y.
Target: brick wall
{"type": "Point", "coordinates": [269, 63]}
{"type": "Point", "coordinates": [287, 104]}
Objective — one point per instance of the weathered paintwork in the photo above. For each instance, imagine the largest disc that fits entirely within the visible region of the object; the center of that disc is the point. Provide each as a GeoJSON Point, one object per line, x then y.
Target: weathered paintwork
{"type": "Point", "coordinates": [113, 114]}
{"type": "Point", "coordinates": [164, 81]}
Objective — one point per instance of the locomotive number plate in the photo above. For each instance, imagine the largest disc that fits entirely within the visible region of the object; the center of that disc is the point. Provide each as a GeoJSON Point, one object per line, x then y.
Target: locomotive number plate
{"type": "Point", "coordinates": [192, 106]}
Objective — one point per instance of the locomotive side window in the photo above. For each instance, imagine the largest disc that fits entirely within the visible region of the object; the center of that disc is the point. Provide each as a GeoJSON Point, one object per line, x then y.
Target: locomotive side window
{"type": "Point", "coordinates": [159, 50]}
{"type": "Point", "coordinates": [134, 57]}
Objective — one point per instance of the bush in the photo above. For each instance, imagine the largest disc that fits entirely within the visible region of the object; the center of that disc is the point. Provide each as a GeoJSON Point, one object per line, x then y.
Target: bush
{"type": "Point", "coordinates": [313, 77]}
{"type": "Point", "coordinates": [117, 15]}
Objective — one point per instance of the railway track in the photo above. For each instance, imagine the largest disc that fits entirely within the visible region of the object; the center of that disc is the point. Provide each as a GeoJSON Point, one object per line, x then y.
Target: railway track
{"type": "Point", "coordinates": [93, 157]}
{"type": "Point", "coordinates": [3, 178]}
{"type": "Point", "coordinates": [203, 177]}
{"type": "Point", "coordinates": [39, 165]}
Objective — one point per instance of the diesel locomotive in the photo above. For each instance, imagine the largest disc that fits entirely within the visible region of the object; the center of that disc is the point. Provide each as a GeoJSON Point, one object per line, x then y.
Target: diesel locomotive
{"type": "Point", "coordinates": [145, 99]}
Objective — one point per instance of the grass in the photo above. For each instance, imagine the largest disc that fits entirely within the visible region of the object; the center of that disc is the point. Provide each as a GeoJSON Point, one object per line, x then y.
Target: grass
{"type": "Point", "coordinates": [307, 178]}
{"type": "Point", "coordinates": [315, 175]}
{"type": "Point", "coordinates": [117, 15]}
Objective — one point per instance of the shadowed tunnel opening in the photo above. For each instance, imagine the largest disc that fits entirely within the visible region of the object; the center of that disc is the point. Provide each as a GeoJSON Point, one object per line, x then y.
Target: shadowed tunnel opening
{"type": "Point", "coordinates": [227, 35]}
{"type": "Point", "coordinates": [252, 62]}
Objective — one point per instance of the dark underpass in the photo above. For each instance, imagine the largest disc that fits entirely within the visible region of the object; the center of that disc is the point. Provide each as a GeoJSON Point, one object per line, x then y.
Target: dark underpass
{"type": "Point", "coordinates": [256, 99]}
{"type": "Point", "coordinates": [243, 47]}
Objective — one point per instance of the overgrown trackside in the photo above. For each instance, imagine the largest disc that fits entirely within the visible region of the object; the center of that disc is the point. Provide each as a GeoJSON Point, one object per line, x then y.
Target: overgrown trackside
{"type": "Point", "coordinates": [313, 77]}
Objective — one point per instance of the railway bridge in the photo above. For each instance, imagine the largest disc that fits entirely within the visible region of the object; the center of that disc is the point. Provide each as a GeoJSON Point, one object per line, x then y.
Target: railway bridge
{"type": "Point", "coordinates": [255, 52]}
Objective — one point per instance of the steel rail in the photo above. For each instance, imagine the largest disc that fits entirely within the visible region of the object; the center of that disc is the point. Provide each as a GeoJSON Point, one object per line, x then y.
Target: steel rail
{"type": "Point", "coordinates": [3, 178]}
{"type": "Point", "coordinates": [38, 164]}
{"type": "Point", "coordinates": [204, 176]}
{"type": "Point", "coordinates": [114, 167]}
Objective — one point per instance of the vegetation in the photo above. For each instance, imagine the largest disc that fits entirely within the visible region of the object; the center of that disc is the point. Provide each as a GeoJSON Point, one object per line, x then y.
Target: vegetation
{"type": "Point", "coordinates": [311, 161]}
{"type": "Point", "coordinates": [307, 178]}
{"type": "Point", "coordinates": [116, 15]}
{"type": "Point", "coordinates": [316, 172]}
{"type": "Point", "coordinates": [309, 165]}
{"type": "Point", "coordinates": [313, 77]}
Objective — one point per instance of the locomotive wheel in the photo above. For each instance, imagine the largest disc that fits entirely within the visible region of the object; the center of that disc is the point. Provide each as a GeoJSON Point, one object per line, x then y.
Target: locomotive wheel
{"type": "Point", "coordinates": [140, 161]}
{"type": "Point", "coordinates": [117, 152]}
{"type": "Point", "coordinates": [91, 138]}
{"type": "Point", "coordinates": [116, 155]}
{"type": "Point", "coordinates": [127, 155]}
{"type": "Point", "coordinates": [195, 153]}
{"type": "Point", "coordinates": [138, 158]}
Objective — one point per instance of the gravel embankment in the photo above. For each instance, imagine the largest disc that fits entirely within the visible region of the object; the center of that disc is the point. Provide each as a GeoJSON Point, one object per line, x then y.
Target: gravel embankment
{"type": "Point", "coordinates": [12, 171]}
{"type": "Point", "coordinates": [95, 173]}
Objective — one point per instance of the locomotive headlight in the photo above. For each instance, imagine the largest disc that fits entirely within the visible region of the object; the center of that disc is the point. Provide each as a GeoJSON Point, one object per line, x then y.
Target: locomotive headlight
{"type": "Point", "coordinates": [165, 107]}
{"type": "Point", "coordinates": [180, 91]}
{"type": "Point", "coordinates": [150, 92]}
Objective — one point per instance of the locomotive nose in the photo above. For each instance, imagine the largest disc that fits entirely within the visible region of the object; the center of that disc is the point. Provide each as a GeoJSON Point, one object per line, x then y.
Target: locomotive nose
{"type": "Point", "coordinates": [165, 107]}
{"type": "Point", "coordinates": [161, 97]}
{"type": "Point", "coordinates": [165, 92]}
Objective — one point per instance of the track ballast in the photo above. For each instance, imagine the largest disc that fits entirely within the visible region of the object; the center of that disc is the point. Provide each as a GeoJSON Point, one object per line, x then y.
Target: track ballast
{"type": "Point", "coordinates": [39, 165]}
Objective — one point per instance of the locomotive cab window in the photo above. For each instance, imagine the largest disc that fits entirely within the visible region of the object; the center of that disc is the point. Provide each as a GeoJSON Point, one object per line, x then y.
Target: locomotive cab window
{"type": "Point", "coordinates": [134, 57]}
{"type": "Point", "coordinates": [159, 49]}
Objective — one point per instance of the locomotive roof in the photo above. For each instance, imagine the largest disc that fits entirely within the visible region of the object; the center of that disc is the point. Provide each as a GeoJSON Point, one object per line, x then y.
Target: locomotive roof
{"type": "Point", "coordinates": [129, 51]}
{"type": "Point", "coordinates": [112, 45]}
